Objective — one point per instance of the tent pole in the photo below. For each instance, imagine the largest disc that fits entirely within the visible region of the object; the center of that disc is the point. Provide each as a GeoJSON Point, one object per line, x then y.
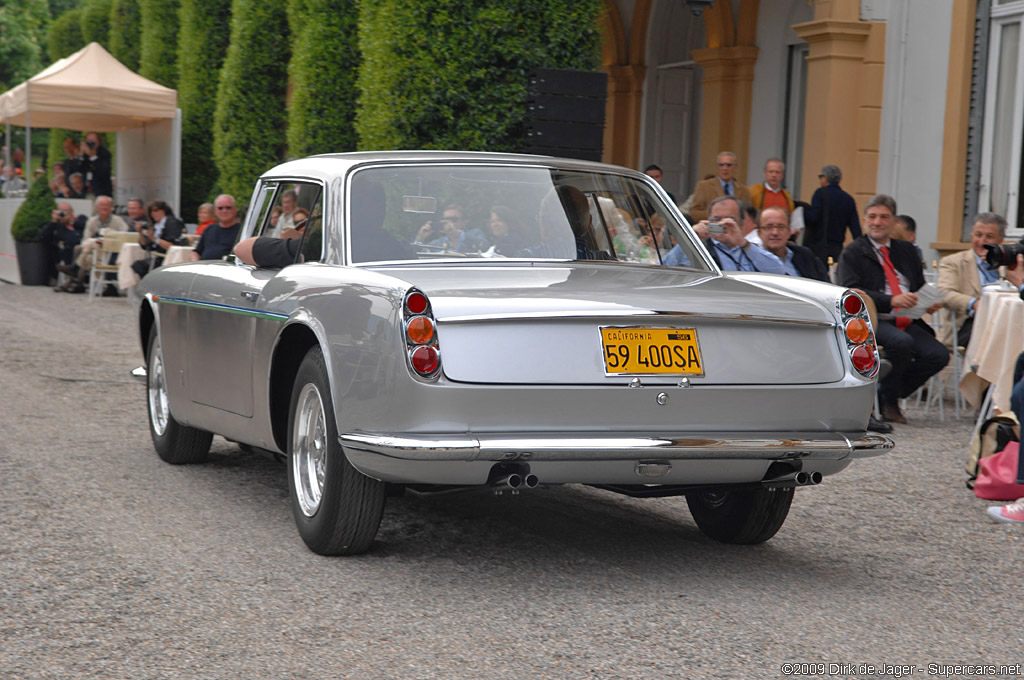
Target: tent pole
{"type": "Point", "coordinates": [28, 149]}
{"type": "Point", "coordinates": [7, 160]}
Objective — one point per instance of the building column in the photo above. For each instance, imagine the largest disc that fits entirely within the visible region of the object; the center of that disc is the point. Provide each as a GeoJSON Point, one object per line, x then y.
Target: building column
{"type": "Point", "coordinates": [727, 102]}
{"type": "Point", "coordinates": [622, 114]}
{"type": "Point", "coordinates": [845, 70]}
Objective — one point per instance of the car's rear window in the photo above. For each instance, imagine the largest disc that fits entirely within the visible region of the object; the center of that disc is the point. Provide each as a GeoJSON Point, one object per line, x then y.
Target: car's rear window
{"type": "Point", "coordinates": [470, 211]}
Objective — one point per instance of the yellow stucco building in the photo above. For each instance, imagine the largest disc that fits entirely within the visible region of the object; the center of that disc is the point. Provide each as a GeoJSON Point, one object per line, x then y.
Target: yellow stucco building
{"type": "Point", "coordinates": [915, 98]}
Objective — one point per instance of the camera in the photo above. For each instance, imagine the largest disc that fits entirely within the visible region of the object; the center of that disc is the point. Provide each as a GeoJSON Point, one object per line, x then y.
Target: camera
{"type": "Point", "coordinates": [62, 213]}
{"type": "Point", "coordinates": [91, 144]}
{"type": "Point", "coordinates": [999, 255]}
{"type": "Point", "coordinates": [715, 226]}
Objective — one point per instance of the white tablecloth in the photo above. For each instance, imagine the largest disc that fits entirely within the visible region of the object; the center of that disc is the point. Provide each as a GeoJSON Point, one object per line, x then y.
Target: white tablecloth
{"type": "Point", "coordinates": [132, 252]}
{"type": "Point", "coordinates": [996, 341]}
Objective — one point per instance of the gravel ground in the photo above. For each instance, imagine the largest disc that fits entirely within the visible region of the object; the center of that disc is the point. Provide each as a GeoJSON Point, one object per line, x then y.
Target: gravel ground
{"type": "Point", "coordinates": [116, 565]}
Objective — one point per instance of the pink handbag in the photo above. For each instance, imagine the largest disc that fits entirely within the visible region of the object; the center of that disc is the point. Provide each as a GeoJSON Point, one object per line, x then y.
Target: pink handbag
{"type": "Point", "coordinates": [997, 475]}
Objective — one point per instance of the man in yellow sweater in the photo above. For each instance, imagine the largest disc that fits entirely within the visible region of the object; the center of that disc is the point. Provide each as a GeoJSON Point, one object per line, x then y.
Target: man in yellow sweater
{"type": "Point", "coordinates": [770, 194]}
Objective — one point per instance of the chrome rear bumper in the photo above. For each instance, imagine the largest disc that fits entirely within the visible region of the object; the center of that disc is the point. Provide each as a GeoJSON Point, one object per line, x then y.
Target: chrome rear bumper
{"type": "Point", "coordinates": [554, 447]}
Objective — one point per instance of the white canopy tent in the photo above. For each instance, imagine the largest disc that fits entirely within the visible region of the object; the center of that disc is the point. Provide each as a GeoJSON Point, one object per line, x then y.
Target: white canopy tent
{"type": "Point", "coordinates": [91, 90]}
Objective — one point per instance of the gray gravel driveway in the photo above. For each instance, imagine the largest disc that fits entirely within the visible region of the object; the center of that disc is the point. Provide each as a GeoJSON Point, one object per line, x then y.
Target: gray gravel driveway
{"type": "Point", "coordinates": [116, 565]}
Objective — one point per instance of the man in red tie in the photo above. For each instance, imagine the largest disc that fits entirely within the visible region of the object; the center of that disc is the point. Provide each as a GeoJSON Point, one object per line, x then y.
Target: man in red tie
{"type": "Point", "coordinates": [889, 270]}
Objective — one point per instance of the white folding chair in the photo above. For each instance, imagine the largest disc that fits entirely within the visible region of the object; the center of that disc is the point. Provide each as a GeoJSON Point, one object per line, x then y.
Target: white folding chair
{"type": "Point", "coordinates": [104, 260]}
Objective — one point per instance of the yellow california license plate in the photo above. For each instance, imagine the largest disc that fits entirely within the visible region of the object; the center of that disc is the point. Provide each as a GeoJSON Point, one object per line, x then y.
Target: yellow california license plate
{"type": "Point", "coordinates": [646, 351]}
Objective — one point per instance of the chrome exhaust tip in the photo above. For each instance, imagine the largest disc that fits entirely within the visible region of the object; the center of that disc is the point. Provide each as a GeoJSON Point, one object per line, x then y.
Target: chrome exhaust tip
{"type": "Point", "coordinates": [531, 481]}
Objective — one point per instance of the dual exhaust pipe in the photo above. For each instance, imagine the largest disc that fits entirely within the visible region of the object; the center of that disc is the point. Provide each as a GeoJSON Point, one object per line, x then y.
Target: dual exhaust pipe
{"type": "Point", "coordinates": [795, 479]}
{"type": "Point", "coordinates": [514, 482]}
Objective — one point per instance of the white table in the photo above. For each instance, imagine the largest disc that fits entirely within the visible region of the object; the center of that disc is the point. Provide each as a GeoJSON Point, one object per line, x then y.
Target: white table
{"type": "Point", "coordinates": [996, 341]}
{"type": "Point", "coordinates": [133, 252]}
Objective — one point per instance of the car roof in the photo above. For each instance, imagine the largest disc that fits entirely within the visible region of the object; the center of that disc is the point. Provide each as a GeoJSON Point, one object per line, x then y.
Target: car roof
{"type": "Point", "coordinates": [328, 166]}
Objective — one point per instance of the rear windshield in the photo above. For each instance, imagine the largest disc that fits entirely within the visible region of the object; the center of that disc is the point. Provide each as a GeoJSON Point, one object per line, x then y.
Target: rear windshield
{"type": "Point", "coordinates": [425, 212]}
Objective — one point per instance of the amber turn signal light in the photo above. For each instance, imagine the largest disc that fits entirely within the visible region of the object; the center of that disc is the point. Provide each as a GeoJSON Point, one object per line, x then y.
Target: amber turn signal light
{"type": "Point", "coordinates": [420, 330]}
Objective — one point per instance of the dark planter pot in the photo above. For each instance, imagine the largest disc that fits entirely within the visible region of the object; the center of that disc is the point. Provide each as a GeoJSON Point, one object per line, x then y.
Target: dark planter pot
{"type": "Point", "coordinates": [33, 263]}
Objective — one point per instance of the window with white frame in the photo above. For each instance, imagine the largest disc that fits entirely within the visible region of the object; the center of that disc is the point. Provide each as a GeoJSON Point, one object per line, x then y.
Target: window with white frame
{"type": "Point", "coordinates": [1002, 183]}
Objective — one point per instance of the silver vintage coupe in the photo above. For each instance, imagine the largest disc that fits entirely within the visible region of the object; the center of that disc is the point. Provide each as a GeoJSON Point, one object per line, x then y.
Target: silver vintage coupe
{"type": "Point", "coordinates": [443, 320]}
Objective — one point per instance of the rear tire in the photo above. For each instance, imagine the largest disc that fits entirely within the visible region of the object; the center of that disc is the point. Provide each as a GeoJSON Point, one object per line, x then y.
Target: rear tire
{"type": "Point", "coordinates": [175, 443]}
{"type": "Point", "coordinates": [337, 509]}
{"type": "Point", "coordinates": [741, 516]}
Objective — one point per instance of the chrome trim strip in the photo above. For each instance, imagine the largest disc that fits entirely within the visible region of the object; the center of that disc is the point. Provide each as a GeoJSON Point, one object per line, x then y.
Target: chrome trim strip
{"type": "Point", "coordinates": [697, 446]}
{"type": "Point", "coordinates": [587, 314]}
{"type": "Point", "coordinates": [215, 306]}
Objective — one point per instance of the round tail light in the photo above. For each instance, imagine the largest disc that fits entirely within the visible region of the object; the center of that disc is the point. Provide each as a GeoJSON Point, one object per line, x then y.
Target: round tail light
{"type": "Point", "coordinates": [857, 331]}
{"type": "Point", "coordinates": [416, 303]}
{"type": "Point", "coordinates": [420, 330]}
{"type": "Point", "coordinates": [424, 359]}
{"type": "Point", "coordinates": [863, 357]}
{"type": "Point", "coordinates": [852, 304]}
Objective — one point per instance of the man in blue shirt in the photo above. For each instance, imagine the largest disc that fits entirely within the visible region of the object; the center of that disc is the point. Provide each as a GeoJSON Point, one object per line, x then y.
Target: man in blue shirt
{"type": "Point", "coordinates": [218, 239]}
{"type": "Point", "coordinates": [730, 249]}
{"type": "Point", "coordinates": [773, 225]}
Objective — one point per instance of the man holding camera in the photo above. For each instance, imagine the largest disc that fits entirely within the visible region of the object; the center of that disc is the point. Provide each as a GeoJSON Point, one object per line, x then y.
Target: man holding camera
{"type": "Point", "coordinates": [62, 234]}
{"type": "Point", "coordinates": [962, 275]}
{"type": "Point", "coordinates": [451, 233]}
{"type": "Point", "coordinates": [96, 165]}
{"type": "Point", "coordinates": [725, 241]}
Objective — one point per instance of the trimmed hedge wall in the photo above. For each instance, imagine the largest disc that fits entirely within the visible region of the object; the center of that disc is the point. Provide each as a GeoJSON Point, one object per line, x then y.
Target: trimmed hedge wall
{"type": "Point", "coordinates": [22, 33]}
{"type": "Point", "coordinates": [158, 59]}
{"type": "Point", "coordinates": [322, 74]}
{"type": "Point", "coordinates": [65, 35]}
{"type": "Point", "coordinates": [202, 45]}
{"type": "Point", "coordinates": [125, 39]}
{"type": "Point", "coordinates": [96, 21]}
{"type": "Point", "coordinates": [453, 73]}
{"type": "Point", "coordinates": [249, 122]}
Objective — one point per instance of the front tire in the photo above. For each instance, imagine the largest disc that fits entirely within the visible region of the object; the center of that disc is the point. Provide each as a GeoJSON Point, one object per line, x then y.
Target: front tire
{"type": "Point", "coordinates": [175, 443]}
{"type": "Point", "coordinates": [740, 516]}
{"type": "Point", "coordinates": [337, 509]}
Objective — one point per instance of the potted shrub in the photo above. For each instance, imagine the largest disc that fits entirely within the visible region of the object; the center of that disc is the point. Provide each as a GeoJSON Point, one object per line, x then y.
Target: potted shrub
{"type": "Point", "coordinates": [34, 214]}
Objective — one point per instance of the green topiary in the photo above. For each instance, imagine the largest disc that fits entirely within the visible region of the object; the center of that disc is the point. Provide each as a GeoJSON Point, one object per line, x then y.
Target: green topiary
{"type": "Point", "coordinates": [96, 21]}
{"type": "Point", "coordinates": [158, 59]}
{"type": "Point", "coordinates": [126, 32]}
{"type": "Point", "coordinates": [203, 43]}
{"type": "Point", "coordinates": [322, 76]}
{"type": "Point", "coordinates": [249, 122]}
{"type": "Point", "coordinates": [34, 213]}
{"type": "Point", "coordinates": [453, 73]}
{"type": "Point", "coordinates": [65, 35]}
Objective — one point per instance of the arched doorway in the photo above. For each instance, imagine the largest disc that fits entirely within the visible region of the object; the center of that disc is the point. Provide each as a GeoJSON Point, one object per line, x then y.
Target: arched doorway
{"type": "Point", "coordinates": [670, 135]}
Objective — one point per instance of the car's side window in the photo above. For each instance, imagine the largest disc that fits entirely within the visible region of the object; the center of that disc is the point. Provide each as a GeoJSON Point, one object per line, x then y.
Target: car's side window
{"type": "Point", "coordinates": [294, 212]}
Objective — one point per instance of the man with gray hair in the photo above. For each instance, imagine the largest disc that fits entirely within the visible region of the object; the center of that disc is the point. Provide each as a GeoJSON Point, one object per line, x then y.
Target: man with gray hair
{"type": "Point", "coordinates": [832, 212]}
{"type": "Point", "coordinates": [889, 271]}
{"type": "Point", "coordinates": [724, 184]}
{"type": "Point", "coordinates": [104, 219]}
{"type": "Point", "coordinates": [962, 275]}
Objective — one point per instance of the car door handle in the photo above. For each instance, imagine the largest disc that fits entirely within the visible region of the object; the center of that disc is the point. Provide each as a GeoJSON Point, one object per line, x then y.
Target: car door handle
{"type": "Point", "coordinates": [249, 295]}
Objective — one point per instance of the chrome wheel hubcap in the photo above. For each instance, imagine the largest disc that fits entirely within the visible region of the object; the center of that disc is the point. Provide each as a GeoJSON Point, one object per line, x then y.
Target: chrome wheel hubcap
{"type": "Point", "coordinates": [159, 411]}
{"type": "Point", "coordinates": [309, 450]}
